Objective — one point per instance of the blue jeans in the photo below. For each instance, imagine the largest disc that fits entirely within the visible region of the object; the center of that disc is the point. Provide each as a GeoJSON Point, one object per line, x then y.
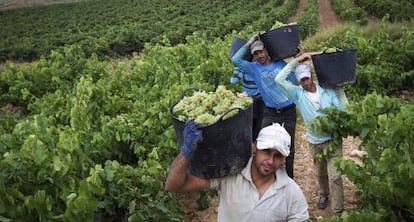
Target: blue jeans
{"type": "Point", "coordinates": [287, 118]}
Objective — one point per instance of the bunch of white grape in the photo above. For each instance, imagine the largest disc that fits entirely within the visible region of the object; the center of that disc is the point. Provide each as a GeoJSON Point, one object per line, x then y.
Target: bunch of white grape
{"type": "Point", "coordinates": [278, 24]}
{"type": "Point", "coordinates": [330, 50]}
{"type": "Point", "coordinates": [326, 50]}
{"type": "Point", "coordinates": [207, 107]}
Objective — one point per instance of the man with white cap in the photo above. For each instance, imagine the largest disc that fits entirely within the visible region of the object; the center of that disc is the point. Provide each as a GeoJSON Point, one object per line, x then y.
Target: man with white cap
{"type": "Point", "coordinates": [311, 99]}
{"type": "Point", "coordinates": [279, 108]}
{"type": "Point", "coordinates": [262, 191]}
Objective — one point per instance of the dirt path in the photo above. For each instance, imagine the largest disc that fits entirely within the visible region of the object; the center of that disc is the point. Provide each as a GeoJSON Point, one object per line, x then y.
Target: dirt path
{"type": "Point", "coordinates": [299, 10]}
{"type": "Point", "coordinates": [327, 16]}
{"type": "Point", "coordinates": [304, 175]}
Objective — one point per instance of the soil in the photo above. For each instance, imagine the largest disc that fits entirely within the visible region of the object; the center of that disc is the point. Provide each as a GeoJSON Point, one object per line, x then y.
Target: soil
{"type": "Point", "coordinates": [304, 175]}
{"type": "Point", "coordinates": [327, 16]}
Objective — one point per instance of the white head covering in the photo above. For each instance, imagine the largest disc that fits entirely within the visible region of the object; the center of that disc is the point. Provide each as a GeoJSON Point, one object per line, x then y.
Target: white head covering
{"type": "Point", "coordinates": [302, 71]}
{"type": "Point", "coordinates": [276, 137]}
{"type": "Point", "coordinates": [257, 45]}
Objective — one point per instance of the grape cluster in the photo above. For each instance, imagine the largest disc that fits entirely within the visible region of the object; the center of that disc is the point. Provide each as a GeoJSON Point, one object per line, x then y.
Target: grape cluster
{"type": "Point", "coordinates": [207, 107]}
{"type": "Point", "coordinates": [330, 50]}
{"type": "Point", "coordinates": [278, 24]}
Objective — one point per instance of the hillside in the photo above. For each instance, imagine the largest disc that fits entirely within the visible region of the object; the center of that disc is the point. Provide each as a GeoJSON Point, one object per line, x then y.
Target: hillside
{"type": "Point", "coordinates": [113, 29]}
{"type": "Point", "coordinates": [10, 4]}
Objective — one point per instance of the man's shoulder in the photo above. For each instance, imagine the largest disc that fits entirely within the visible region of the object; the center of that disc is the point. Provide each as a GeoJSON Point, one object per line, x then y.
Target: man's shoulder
{"type": "Point", "coordinates": [286, 181]}
{"type": "Point", "coordinates": [329, 91]}
{"type": "Point", "coordinates": [278, 64]}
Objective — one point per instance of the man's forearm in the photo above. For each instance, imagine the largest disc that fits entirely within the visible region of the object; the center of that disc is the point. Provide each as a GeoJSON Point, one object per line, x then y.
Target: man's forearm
{"type": "Point", "coordinates": [178, 174]}
{"type": "Point", "coordinates": [280, 79]}
{"type": "Point", "coordinates": [238, 57]}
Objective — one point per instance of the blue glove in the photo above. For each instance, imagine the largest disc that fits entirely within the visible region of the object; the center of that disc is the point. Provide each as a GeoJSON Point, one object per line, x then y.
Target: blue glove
{"type": "Point", "coordinates": [192, 135]}
{"type": "Point", "coordinates": [234, 80]}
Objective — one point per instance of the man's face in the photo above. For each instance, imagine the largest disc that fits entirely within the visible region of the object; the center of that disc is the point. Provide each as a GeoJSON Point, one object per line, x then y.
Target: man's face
{"type": "Point", "coordinates": [267, 161]}
{"type": "Point", "coordinates": [261, 56]}
{"type": "Point", "coordinates": [306, 83]}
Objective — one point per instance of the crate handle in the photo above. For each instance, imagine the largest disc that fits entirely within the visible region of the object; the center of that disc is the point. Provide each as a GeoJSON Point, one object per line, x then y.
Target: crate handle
{"type": "Point", "coordinates": [228, 111]}
{"type": "Point", "coordinates": [186, 90]}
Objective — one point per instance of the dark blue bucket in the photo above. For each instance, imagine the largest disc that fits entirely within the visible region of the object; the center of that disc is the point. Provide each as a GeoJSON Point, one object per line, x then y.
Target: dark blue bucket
{"type": "Point", "coordinates": [236, 44]}
{"type": "Point", "coordinates": [282, 42]}
{"type": "Point", "coordinates": [226, 145]}
{"type": "Point", "coordinates": [336, 69]}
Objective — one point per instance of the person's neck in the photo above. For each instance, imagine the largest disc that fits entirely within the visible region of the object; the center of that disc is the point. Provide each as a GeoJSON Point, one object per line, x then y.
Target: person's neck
{"type": "Point", "coordinates": [313, 88]}
{"type": "Point", "coordinates": [267, 62]}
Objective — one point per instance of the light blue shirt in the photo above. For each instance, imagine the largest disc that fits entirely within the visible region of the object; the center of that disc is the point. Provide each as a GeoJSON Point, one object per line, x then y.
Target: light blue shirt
{"type": "Point", "coordinates": [328, 98]}
{"type": "Point", "coordinates": [264, 77]}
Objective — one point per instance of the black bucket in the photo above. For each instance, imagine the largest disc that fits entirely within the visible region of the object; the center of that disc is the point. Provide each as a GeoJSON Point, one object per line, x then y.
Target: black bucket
{"type": "Point", "coordinates": [282, 42]}
{"type": "Point", "coordinates": [336, 68]}
{"type": "Point", "coordinates": [236, 44]}
{"type": "Point", "coordinates": [226, 145]}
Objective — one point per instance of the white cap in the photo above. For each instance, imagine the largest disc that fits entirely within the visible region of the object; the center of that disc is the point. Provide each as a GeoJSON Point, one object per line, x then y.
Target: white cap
{"type": "Point", "coordinates": [257, 45]}
{"type": "Point", "coordinates": [302, 71]}
{"type": "Point", "coordinates": [276, 137]}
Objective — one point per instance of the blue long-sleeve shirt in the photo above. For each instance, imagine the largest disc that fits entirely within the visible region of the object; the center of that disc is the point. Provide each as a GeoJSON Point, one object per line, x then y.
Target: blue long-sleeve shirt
{"type": "Point", "coordinates": [248, 84]}
{"type": "Point", "coordinates": [328, 98]}
{"type": "Point", "coordinates": [272, 95]}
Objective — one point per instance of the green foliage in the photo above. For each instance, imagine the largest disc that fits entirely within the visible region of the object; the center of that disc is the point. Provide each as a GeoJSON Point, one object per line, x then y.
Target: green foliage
{"type": "Point", "coordinates": [203, 201]}
{"type": "Point", "coordinates": [385, 127]}
{"type": "Point", "coordinates": [349, 12]}
{"type": "Point", "coordinates": [397, 10]}
{"type": "Point", "coordinates": [93, 117]}
{"type": "Point", "coordinates": [308, 21]}
{"type": "Point", "coordinates": [119, 28]}
{"type": "Point", "coordinates": [96, 144]}
{"type": "Point", "coordinates": [20, 86]}
{"type": "Point", "coordinates": [123, 191]}
{"type": "Point", "coordinates": [279, 12]}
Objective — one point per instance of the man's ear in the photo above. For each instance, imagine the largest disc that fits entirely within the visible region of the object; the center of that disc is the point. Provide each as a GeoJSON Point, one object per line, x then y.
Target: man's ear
{"type": "Point", "coordinates": [254, 148]}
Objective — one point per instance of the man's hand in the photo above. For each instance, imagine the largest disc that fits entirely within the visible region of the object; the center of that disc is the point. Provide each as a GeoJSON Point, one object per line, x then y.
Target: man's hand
{"type": "Point", "coordinates": [252, 39]}
{"type": "Point", "coordinates": [192, 135]}
{"type": "Point", "coordinates": [304, 58]}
